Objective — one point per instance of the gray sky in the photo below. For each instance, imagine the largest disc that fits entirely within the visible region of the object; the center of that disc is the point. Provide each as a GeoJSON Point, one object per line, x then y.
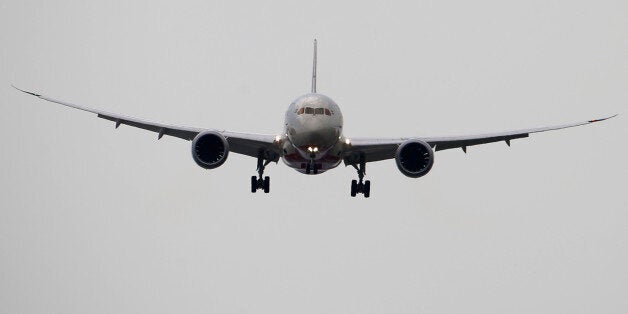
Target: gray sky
{"type": "Point", "coordinates": [97, 220]}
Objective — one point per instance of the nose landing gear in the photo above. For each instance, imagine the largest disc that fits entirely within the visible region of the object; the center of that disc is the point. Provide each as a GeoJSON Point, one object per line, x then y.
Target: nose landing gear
{"type": "Point", "coordinates": [359, 186]}
{"type": "Point", "coordinates": [311, 167]}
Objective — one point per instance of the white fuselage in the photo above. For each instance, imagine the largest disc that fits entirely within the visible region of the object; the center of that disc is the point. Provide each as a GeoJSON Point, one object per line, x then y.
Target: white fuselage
{"type": "Point", "coordinates": [313, 131]}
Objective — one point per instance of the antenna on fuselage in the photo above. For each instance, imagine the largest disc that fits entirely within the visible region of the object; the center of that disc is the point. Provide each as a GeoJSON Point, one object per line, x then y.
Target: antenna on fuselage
{"type": "Point", "coordinates": [314, 70]}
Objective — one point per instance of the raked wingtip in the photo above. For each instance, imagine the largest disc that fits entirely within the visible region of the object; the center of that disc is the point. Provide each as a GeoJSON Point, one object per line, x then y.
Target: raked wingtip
{"type": "Point", "coordinates": [25, 91]}
{"type": "Point", "coordinates": [602, 119]}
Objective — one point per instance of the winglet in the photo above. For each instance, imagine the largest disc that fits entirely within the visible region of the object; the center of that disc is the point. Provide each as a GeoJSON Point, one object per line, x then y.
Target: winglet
{"type": "Point", "coordinates": [314, 70]}
{"type": "Point", "coordinates": [27, 92]}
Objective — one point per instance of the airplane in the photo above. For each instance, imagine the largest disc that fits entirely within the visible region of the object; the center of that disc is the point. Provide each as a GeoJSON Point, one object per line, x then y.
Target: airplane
{"type": "Point", "coordinates": [312, 141]}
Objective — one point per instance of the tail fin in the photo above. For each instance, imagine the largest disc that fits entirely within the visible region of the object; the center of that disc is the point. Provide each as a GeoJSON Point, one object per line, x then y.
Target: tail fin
{"type": "Point", "coordinates": [314, 70]}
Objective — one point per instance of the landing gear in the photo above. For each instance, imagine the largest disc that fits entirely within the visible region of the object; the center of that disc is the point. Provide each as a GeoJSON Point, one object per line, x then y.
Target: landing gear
{"type": "Point", "coordinates": [311, 167]}
{"type": "Point", "coordinates": [359, 186]}
{"type": "Point", "coordinates": [261, 182]}
{"type": "Point", "coordinates": [256, 184]}
{"type": "Point", "coordinates": [354, 188]}
{"type": "Point", "coordinates": [266, 184]}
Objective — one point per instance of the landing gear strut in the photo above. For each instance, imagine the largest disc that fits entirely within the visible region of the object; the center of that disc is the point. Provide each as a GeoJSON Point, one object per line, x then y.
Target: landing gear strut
{"type": "Point", "coordinates": [261, 182]}
{"type": "Point", "coordinates": [311, 167]}
{"type": "Point", "coordinates": [359, 186]}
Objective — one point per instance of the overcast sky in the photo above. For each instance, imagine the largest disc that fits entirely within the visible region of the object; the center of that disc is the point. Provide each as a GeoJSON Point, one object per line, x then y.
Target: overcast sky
{"type": "Point", "coordinates": [98, 220]}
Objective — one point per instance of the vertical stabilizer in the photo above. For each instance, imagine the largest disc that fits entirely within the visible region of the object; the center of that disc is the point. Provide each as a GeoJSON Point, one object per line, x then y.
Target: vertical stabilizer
{"type": "Point", "coordinates": [314, 70]}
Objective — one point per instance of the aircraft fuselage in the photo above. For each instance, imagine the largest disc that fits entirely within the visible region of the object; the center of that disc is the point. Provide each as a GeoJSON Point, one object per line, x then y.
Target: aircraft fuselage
{"type": "Point", "coordinates": [313, 129]}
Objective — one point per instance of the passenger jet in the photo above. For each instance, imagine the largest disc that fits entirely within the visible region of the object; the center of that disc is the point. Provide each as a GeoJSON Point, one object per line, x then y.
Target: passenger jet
{"type": "Point", "coordinates": [312, 141]}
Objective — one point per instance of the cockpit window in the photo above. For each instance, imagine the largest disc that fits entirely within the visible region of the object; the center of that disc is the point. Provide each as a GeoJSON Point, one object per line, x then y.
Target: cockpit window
{"type": "Point", "coordinates": [316, 111]}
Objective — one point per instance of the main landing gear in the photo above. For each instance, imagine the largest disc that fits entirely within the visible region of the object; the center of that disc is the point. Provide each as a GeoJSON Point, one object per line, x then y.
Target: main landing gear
{"type": "Point", "coordinates": [358, 187]}
{"type": "Point", "coordinates": [261, 182]}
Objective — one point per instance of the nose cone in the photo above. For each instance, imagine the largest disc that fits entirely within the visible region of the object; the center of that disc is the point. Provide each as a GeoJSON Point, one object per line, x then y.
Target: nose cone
{"type": "Point", "coordinates": [314, 121]}
{"type": "Point", "coordinates": [313, 132]}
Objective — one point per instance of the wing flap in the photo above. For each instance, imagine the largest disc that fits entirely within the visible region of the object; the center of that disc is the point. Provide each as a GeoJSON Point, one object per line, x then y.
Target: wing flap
{"type": "Point", "coordinates": [443, 144]}
{"type": "Point", "coordinates": [154, 127]}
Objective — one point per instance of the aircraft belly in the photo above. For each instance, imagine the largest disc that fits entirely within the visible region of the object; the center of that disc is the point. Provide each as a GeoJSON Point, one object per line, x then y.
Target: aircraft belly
{"type": "Point", "coordinates": [298, 163]}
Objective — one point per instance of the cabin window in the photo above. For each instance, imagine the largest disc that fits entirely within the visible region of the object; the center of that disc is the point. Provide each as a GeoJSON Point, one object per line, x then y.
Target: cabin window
{"type": "Point", "coordinates": [300, 111]}
{"type": "Point", "coordinates": [309, 110]}
{"type": "Point", "coordinates": [320, 111]}
{"type": "Point", "coordinates": [327, 112]}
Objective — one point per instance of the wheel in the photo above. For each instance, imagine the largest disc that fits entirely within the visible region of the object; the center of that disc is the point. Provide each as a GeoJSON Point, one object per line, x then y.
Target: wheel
{"type": "Point", "coordinates": [354, 187]}
{"type": "Point", "coordinates": [308, 168]}
{"type": "Point", "coordinates": [315, 169]}
{"type": "Point", "coordinates": [253, 184]}
{"type": "Point", "coordinates": [367, 188]}
{"type": "Point", "coordinates": [266, 184]}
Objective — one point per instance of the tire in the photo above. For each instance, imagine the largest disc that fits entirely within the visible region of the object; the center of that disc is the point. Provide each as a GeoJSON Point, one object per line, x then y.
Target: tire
{"type": "Point", "coordinates": [308, 168]}
{"type": "Point", "coordinates": [253, 184]}
{"type": "Point", "coordinates": [354, 188]}
{"type": "Point", "coordinates": [315, 166]}
{"type": "Point", "coordinates": [266, 184]}
{"type": "Point", "coordinates": [367, 189]}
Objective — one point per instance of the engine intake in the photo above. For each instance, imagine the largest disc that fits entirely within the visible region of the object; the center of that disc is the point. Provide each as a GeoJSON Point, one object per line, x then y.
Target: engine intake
{"type": "Point", "coordinates": [414, 158]}
{"type": "Point", "coordinates": [210, 149]}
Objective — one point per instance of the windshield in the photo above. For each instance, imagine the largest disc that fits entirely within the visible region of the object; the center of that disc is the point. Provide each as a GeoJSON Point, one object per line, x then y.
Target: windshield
{"type": "Point", "coordinates": [313, 111]}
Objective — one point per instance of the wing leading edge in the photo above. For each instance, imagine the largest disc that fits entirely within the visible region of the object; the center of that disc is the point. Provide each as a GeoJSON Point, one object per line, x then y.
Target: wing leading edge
{"type": "Point", "coordinates": [375, 149]}
{"type": "Point", "coordinates": [241, 143]}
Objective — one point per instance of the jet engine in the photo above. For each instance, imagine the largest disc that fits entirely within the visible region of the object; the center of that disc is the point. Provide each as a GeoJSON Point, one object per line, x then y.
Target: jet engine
{"type": "Point", "coordinates": [414, 158]}
{"type": "Point", "coordinates": [210, 149]}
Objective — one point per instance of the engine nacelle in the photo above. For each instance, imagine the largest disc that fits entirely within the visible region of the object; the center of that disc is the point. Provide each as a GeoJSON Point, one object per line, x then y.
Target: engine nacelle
{"type": "Point", "coordinates": [414, 158]}
{"type": "Point", "coordinates": [210, 149]}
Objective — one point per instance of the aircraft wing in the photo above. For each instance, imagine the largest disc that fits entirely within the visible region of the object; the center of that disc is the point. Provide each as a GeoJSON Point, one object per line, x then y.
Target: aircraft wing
{"type": "Point", "coordinates": [241, 143]}
{"type": "Point", "coordinates": [375, 149]}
